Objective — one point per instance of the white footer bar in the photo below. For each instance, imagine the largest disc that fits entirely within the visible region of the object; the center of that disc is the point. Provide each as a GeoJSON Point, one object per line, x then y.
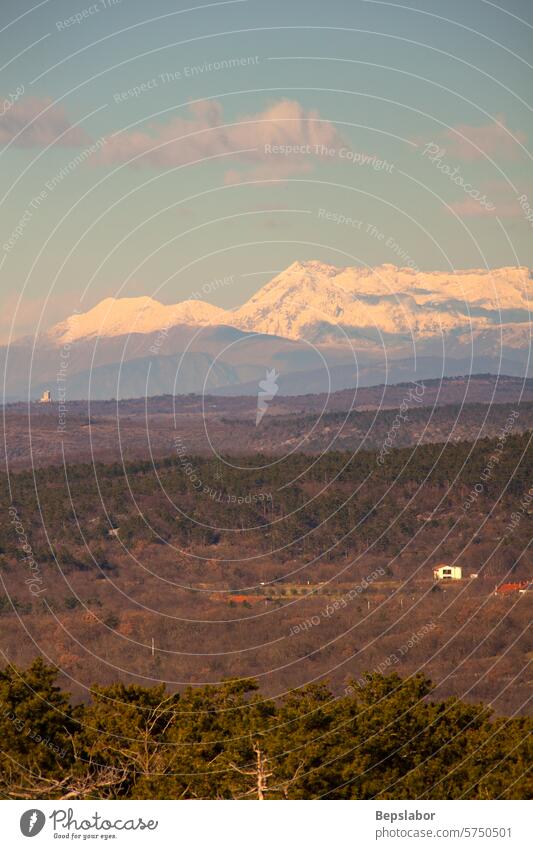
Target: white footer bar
{"type": "Point", "coordinates": [260, 825]}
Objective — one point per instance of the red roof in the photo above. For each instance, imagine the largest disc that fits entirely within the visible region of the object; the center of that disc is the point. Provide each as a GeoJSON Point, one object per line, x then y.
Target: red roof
{"type": "Point", "coordinates": [240, 599]}
{"type": "Point", "coordinates": [512, 587]}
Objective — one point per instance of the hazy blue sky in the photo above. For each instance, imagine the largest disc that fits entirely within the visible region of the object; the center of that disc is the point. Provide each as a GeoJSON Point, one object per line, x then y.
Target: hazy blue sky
{"type": "Point", "coordinates": [174, 111]}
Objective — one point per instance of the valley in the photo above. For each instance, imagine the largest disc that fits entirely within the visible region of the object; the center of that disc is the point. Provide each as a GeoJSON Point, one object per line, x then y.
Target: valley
{"type": "Point", "coordinates": [330, 577]}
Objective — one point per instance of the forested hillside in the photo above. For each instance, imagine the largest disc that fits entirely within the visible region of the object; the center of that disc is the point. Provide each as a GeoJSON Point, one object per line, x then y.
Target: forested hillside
{"type": "Point", "coordinates": [336, 505]}
{"type": "Point", "coordinates": [197, 570]}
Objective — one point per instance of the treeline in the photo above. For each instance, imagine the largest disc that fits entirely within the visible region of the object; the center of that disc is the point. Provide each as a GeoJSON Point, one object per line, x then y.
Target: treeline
{"type": "Point", "coordinates": [384, 738]}
{"type": "Point", "coordinates": [335, 504]}
{"type": "Point", "coordinates": [368, 429]}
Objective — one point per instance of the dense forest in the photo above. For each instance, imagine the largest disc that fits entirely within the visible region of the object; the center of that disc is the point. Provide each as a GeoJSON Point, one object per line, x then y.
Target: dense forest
{"type": "Point", "coordinates": [384, 738]}
{"type": "Point", "coordinates": [327, 507]}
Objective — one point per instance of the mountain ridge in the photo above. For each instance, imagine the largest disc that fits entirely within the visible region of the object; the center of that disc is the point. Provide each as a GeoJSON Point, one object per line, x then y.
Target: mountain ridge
{"type": "Point", "coordinates": [318, 325]}
{"type": "Point", "coordinates": [322, 303]}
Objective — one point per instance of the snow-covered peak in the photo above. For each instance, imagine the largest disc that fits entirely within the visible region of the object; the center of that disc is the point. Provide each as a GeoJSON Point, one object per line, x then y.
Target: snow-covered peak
{"type": "Point", "coordinates": [122, 316]}
{"type": "Point", "coordinates": [315, 301]}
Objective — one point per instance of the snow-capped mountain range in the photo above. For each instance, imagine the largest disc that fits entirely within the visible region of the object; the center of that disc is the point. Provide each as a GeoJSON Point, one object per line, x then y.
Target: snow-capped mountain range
{"type": "Point", "coordinates": [323, 304]}
{"type": "Point", "coordinates": [320, 327]}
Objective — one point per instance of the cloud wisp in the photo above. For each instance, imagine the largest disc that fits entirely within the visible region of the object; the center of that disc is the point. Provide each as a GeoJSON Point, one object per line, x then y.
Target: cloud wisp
{"type": "Point", "coordinates": [205, 133]}
{"type": "Point", "coordinates": [37, 122]}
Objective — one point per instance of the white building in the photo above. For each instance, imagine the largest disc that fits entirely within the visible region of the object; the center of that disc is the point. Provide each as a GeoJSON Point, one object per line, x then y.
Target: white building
{"type": "Point", "coordinates": [46, 397]}
{"type": "Point", "coordinates": [443, 572]}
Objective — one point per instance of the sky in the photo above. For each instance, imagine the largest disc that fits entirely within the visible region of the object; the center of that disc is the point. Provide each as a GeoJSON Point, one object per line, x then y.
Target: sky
{"type": "Point", "coordinates": [157, 148]}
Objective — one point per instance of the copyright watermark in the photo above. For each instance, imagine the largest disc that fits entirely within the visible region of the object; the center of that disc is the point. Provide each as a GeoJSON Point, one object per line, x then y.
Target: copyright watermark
{"type": "Point", "coordinates": [436, 155]}
{"type": "Point", "coordinates": [34, 581]}
{"type": "Point", "coordinates": [345, 154]}
{"type": "Point", "coordinates": [185, 73]}
{"type": "Point", "coordinates": [86, 13]}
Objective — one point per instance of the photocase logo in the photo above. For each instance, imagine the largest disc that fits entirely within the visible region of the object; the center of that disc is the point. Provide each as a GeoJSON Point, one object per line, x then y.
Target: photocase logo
{"type": "Point", "coordinates": [268, 388]}
{"type": "Point", "coordinates": [32, 822]}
